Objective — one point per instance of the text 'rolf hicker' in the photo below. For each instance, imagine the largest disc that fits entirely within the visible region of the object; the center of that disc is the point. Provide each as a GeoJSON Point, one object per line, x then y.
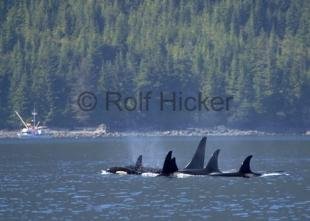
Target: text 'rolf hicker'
{"type": "Point", "coordinates": [149, 101]}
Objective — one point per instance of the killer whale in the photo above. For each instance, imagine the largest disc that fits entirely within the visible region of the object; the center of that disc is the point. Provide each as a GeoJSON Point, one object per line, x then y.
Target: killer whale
{"type": "Point", "coordinates": [131, 169]}
{"type": "Point", "coordinates": [169, 166]}
{"type": "Point", "coordinates": [196, 163]}
{"type": "Point", "coordinates": [244, 170]}
{"type": "Point", "coordinates": [211, 167]}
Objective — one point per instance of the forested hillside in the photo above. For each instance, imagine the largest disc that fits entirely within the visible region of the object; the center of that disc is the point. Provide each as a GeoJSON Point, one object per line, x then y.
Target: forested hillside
{"type": "Point", "coordinates": [255, 51]}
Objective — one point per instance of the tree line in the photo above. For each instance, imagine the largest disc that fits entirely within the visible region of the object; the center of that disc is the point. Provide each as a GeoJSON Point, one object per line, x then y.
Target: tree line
{"type": "Point", "coordinates": [255, 51]}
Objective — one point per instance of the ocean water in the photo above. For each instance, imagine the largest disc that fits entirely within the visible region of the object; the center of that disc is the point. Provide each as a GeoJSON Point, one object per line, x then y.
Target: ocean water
{"type": "Point", "coordinates": [62, 179]}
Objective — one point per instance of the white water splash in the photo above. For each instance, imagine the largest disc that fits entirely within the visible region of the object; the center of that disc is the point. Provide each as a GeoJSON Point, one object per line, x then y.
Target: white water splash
{"type": "Point", "coordinates": [149, 174]}
{"type": "Point", "coordinates": [274, 174]}
{"type": "Point", "coordinates": [182, 175]}
{"type": "Point", "coordinates": [104, 172]}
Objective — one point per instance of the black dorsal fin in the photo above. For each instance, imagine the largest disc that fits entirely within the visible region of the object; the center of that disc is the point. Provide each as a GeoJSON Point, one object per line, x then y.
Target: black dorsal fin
{"type": "Point", "coordinates": [167, 164]}
{"type": "Point", "coordinates": [198, 159]}
{"type": "Point", "coordinates": [245, 167]}
{"type": "Point", "coordinates": [139, 162]}
{"type": "Point", "coordinates": [212, 165]}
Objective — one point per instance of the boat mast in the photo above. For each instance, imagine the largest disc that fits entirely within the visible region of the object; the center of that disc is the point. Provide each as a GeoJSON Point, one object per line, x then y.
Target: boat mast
{"type": "Point", "coordinates": [34, 113]}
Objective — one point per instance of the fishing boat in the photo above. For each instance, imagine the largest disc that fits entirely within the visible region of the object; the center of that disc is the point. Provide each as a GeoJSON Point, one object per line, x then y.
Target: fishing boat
{"type": "Point", "coordinates": [33, 130]}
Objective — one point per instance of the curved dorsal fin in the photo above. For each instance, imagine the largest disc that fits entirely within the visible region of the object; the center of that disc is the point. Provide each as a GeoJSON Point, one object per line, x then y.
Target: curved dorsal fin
{"type": "Point", "coordinates": [198, 159]}
{"type": "Point", "coordinates": [139, 162]}
{"type": "Point", "coordinates": [212, 165]}
{"type": "Point", "coordinates": [245, 167]}
{"type": "Point", "coordinates": [167, 164]}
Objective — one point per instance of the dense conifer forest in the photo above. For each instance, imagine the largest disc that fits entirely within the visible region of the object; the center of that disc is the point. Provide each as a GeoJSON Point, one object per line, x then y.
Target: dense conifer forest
{"type": "Point", "coordinates": [254, 50]}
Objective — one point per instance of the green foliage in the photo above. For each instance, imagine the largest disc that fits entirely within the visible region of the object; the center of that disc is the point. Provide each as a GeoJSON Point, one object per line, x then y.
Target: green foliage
{"type": "Point", "coordinates": [256, 51]}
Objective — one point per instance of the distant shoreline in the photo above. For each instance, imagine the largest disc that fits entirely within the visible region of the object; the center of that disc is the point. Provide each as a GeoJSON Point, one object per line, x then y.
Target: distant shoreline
{"type": "Point", "coordinates": [97, 133]}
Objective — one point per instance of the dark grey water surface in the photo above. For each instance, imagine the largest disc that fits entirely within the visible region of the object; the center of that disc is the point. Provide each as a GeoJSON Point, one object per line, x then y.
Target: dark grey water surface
{"type": "Point", "coordinates": [57, 179]}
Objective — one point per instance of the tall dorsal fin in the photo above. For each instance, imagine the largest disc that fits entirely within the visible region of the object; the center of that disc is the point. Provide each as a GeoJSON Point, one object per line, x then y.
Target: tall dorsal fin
{"type": "Point", "coordinates": [167, 165]}
{"type": "Point", "coordinates": [198, 159]}
{"type": "Point", "coordinates": [212, 165]}
{"type": "Point", "coordinates": [245, 167]}
{"type": "Point", "coordinates": [139, 162]}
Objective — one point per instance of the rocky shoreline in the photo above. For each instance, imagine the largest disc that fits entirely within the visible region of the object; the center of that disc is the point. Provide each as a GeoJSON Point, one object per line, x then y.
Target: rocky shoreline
{"type": "Point", "coordinates": [100, 132]}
